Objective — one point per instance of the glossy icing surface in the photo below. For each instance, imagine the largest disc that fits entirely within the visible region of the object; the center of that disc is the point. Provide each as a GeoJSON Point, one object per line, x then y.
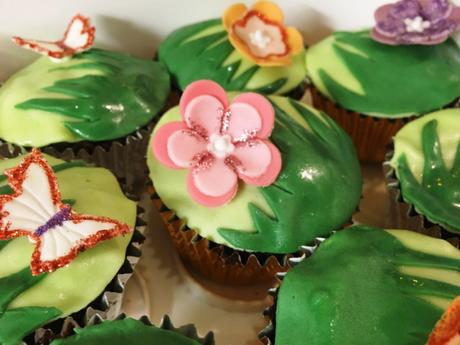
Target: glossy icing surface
{"type": "Point", "coordinates": [95, 96]}
{"type": "Point", "coordinates": [122, 332]}
{"type": "Point", "coordinates": [355, 71]}
{"type": "Point", "coordinates": [427, 163]}
{"type": "Point", "coordinates": [28, 302]}
{"type": "Point", "coordinates": [366, 286]}
{"type": "Point", "coordinates": [210, 55]}
{"type": "Point", "coordinates": [317, 190]}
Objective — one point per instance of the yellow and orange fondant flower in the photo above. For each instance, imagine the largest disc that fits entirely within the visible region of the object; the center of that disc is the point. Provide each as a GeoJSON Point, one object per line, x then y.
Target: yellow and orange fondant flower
{"type": "Point", "coordinates": [260, 35]}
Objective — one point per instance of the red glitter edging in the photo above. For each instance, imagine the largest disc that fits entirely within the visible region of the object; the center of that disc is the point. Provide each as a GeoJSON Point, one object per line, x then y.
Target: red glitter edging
{"type": "Point", "coordinates": [16, 177]}
{"type": "Point", "coordinates": [243, 22]}
{"type": "Point", "coordinates": [66, 50]}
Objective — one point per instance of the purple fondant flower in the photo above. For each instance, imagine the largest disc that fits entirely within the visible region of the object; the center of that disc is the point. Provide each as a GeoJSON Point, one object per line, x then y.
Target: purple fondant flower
{"type": "Point", "coordinates": [416, 22]}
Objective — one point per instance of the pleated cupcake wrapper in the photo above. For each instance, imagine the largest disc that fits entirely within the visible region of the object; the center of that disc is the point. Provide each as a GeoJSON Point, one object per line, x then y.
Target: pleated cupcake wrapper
{"type": "Point", "coordinates": [370, 134]}
{"type": "Point", "coordinates": [267, 335]}
{"type": "Point", "coordinates": [108, 303]}
{"type": "Point", "coordinates": [215, 261]}
{"type": "Point", "coordinates": [403, 215]}
{"type": "Point", "coordinates": [45, 337]}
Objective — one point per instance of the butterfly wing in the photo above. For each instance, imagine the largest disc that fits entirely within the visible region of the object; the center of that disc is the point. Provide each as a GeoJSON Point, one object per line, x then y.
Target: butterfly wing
{"type": "Point", "coordinates": [79, 34]}
{"type": "Point", "coordinates": [78, 37]}
{"type": "Point", "coordinates": [34, 201]}
{"type": "Point", "coordinates": [60, 245]}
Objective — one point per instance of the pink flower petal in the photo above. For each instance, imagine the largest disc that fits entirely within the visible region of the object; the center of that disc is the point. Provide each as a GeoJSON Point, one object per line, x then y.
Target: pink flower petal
{"type": "Point", "coordinates": [213, 186]}
{"type": "Point", "coordinates": [204, 113]}
{"type": "Point", "coordinates": [201, 104]}
{"type": "Point", "coordinates": [376, 35]}
{"type": "Point", "coordinates": [160, 142]}
{"type": "Point", "coordinates": [183, 145]}
{"type": "Point", "coordinates": [260, 164]}
{"type": "Point", "coordinates": [251, 112]}
{"type": "Point", "coordinates": [200, 88]}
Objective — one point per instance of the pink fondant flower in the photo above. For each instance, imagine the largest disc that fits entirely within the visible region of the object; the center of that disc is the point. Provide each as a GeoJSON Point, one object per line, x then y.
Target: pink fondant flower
{"type": "Point", "coordinates": [220, 142]}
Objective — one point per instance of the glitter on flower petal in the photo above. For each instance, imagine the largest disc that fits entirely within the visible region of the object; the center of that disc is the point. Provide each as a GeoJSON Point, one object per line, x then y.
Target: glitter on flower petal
{"type": "Point", "coordinates": [424, 22]}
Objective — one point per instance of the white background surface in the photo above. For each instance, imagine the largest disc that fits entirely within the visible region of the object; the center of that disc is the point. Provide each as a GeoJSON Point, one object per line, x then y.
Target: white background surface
{"type": "Point", "coordinates": [137, 26]}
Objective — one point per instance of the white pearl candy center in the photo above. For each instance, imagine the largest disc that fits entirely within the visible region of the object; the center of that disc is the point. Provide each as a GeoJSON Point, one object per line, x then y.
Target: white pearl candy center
{"type": "Point", "coordinates": [220, 145]}
{"type": "Point", "coordinates": [416, 24]}
{"type": "Point", "coordinates": [260, 39]}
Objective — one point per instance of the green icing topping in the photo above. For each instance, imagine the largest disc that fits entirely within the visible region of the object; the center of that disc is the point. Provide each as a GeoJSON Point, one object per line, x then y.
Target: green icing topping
{"type": "Point", "coordinates": [316, 192]}
{"type": "Point", "coordinates": [16, 323]}
{"type": "Point", "coordinates": [368, 286]}
{"type": "Point", "coordinates": [28, 302]}
{"type": "Point", "coordinates": [203, 51]}
{"type": "Point", "coordinates": [122, 332]}
{"type": "Point", "coordinates": [435, 191]}
{"type": "Point", "coordinates": [363, 75]}
{"type": "Point", "coordinates": [96, 95]}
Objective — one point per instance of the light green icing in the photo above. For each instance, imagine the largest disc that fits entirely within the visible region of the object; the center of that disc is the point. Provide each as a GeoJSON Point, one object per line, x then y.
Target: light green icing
{"type": "Point", "coordinates": [122, 332]}
{"type": "Point", "coordinates": [289, 213]}
{"type": "Point", "coordinates": [408, 140]}
{"type": "Point", "coordinates": [20, 126]}
{"type": "Point", "coordinates": [330, 62]}
{"type": "Point", "coordinates": [367, 286]}
{"type": "Point", "coordinates": [210, 55]}
{"type": "Point", "coordinates": [171, 185]}
{"type": "Point", "coordinates": [427, 164]}
{"type": "Point", "coordinates": [379, 80]}
{"type": "Point", "coordinates": [70, 289]}
{"type": "Point", "coordinates": [95, 96]}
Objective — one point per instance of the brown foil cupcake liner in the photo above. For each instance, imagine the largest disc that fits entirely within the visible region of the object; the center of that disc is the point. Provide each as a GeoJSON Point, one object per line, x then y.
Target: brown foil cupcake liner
{"type": "Point", "coordinates": [267, 335]}
{"type": "Point", "coordinates": [109, 302]}
{"type": "Point", "coordinates": [215, 261]}
{"type": "Point", "coordinates": [44, 337]}
{"type": "Point", "coordinates": [403, 215]}
{"type": "Point", "coordinates": [370, 134]}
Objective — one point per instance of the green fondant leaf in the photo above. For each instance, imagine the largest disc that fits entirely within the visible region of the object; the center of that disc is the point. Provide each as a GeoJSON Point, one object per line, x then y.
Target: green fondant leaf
{"type": "Point", "coordinates": [206, 48]}
{"type": "Point", "coordinates": [317, 190]}
{"type": "Point", "coordinates": [3, 244]}
{"type": "Point", "coordinates": [128, 94]}
{"type": "Point", "coordinates": [438, 195]}
{"type": "Point", "coordinates": [15, 324]}
{"type": "Point", "coordinates": [13, 285]}
{"type": "Point", "coordinates": [127, 331]}
{"type": "Point", "coordinates": [354, 281]}
{"type": "Point", "coordinates": [398, 80]}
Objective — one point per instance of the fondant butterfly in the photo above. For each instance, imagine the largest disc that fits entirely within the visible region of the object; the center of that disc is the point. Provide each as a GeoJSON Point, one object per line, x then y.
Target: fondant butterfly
{"type": "Point", "coordinates": [78, 37]}
{"type": "Point", "coordinates": [35, 209]}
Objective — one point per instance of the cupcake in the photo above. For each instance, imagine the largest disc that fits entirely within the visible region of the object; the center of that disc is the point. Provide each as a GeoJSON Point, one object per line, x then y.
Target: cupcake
{"type": "Point", "coordinates": [243, 184]}
{"type": "Point", "coordinates": [367, 286]}
{"type": "Point", "coordinates": [248, 49]}
{"type": "Point", "coordinates": [424, 175]}
{"type": "Point", "coordinates": [77, 97]}
{"type": "Point", "coordinates": [372, 82]}
{"type": "Point", "coordinates": [130, 331]}
{"type": "Point", "coordinates": [64, 232]}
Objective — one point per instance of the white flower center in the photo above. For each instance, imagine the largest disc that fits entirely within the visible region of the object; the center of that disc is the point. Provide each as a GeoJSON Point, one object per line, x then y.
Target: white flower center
{"type": "Point", "coordinates": [416, 24]}
{"type": "Point", "coordinates": [220, 145]}
{"type": "Point", "coordinates": [260, 39]}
